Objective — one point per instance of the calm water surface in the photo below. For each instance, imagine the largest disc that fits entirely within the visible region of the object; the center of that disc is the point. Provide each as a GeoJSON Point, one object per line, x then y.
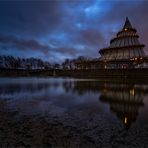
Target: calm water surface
{"type": "Point", "coordinates": [118, 107]}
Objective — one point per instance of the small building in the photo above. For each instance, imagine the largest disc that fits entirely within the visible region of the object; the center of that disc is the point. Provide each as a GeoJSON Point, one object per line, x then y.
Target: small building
{"type": "Point", "coordinates": [89, 64]}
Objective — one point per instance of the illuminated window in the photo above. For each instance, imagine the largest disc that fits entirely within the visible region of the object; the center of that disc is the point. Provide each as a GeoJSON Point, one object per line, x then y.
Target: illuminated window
{"type": "Point", "coordinates": [132, 92]}
{"type": "Point", "coordinates": [125, 120]}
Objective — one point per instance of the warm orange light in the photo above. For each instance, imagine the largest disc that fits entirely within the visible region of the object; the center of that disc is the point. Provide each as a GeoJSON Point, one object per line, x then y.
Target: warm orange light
{"type": "Point", "coordinates": [125, 29]}
{"type": "Point", "coordinates": [125, 120]}
{"type": "Point", "coordinates": [141, 58]}
{"type": "Point", "coordinates": [135, 58]}
{"type": "Point", "coordinates": [104, 90]}
{"type": "Point", "coordinates": [132, 92]}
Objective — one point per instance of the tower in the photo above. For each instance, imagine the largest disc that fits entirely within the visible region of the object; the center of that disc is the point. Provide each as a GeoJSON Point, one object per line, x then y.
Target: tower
{"type": "Point", "coordinates": [125, 49]}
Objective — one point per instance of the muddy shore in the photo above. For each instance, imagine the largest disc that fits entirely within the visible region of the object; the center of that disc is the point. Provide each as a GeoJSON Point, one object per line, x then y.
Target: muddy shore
{"type": "Point", "coordinates": [76, 129]}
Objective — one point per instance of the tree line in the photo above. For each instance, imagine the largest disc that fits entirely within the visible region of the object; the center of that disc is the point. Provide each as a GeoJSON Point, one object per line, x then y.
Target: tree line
{"type": "Point", "coordinates": [10, 62]}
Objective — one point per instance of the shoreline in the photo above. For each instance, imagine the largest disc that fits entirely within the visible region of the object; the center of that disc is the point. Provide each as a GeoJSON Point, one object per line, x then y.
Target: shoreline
{"type": "Point", "coordinates": [103, 74]}
{"type": "Point", "coordinates": [79, 129]}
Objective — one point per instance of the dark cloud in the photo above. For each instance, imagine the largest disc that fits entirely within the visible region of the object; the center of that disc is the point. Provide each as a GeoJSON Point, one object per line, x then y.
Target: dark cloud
{"type": "Point", "coordinates": [29, 17]}
{"type": "Point", "coordinates": [91, 37]}
{"type": "Point", "coordinates": [22, 44]}
{"type": "Point", "coordinates": [67, 28]}
{"type": "Point", "coordinates": [12, 42]}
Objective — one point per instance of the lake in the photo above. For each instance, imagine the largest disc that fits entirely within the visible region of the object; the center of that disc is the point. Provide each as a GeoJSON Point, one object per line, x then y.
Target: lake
{"type": "Point", "coordinates": [67, 112]}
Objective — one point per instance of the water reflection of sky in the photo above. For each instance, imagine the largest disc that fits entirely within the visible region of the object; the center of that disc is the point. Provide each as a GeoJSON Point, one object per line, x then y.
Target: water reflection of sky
{"type": "Point", "coordinates": [58, 96]}
{"type": "Point", "coordinates": [39, 93]}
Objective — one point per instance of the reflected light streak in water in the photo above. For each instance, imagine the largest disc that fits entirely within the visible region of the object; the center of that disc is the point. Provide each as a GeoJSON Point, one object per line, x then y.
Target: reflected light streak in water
{"type": "Point", "coordinates": [132, 92]}
{"type": "Point", "coordinates": [125, 120]}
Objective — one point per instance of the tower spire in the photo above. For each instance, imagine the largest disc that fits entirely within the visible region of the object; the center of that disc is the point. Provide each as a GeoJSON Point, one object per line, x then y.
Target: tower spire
{"type": "Point", "coordinates": [127, 24]}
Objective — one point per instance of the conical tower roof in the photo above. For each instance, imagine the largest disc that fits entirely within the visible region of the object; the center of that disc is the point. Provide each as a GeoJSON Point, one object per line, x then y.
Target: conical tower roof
{"type": "Point", "coordinates": [125, 46]}
{"type": "Point", "coordinates": [127, 24]}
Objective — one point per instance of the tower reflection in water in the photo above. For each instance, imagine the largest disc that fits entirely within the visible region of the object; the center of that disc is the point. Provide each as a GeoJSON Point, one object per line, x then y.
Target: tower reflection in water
{"type": "Point", "coordinates": [124, 99]}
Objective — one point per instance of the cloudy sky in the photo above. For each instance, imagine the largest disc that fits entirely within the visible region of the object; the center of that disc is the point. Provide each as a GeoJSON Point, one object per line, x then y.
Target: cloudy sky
{"type": "Point", "coordinates": [54, 30]}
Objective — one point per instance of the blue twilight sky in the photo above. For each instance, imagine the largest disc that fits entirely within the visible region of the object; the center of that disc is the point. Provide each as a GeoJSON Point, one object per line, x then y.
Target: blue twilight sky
{"type": "Point", "coordinates": [54, 30]}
